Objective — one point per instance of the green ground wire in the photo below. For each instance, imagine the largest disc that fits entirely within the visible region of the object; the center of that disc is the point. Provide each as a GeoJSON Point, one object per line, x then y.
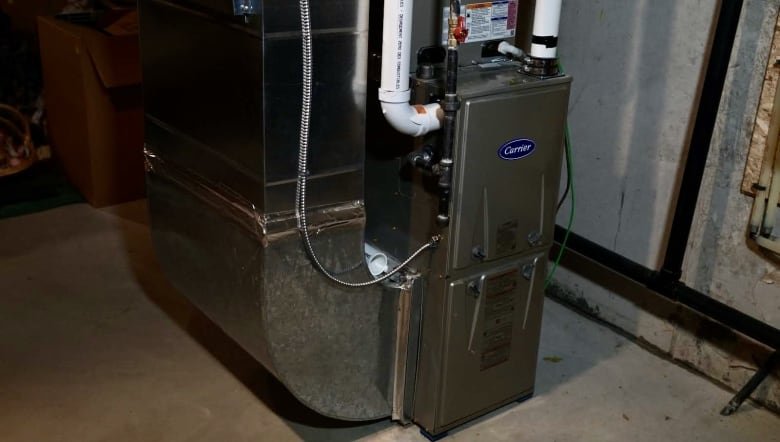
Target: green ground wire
{"type": "Point", "coordinates": [570, 177]}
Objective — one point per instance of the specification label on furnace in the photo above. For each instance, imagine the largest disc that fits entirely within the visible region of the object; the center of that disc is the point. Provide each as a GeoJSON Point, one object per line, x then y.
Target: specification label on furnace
{"type": "Point", "coordinates": [486, 20]}
{"type": "Point", "coordinates": [500, 293]}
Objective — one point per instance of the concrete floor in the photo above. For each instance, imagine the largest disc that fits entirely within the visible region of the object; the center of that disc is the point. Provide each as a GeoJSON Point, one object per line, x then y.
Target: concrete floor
{"type": "Point", "coordinates": [95, 345]}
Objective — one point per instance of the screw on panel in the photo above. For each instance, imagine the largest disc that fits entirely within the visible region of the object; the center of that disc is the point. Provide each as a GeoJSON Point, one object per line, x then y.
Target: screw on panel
{"type": "Point", "coordinates": [528, 271]}
{"type": "Point", "coordinates": [474, 288]}
{"type": "Point", "coordinates": [535, 239]}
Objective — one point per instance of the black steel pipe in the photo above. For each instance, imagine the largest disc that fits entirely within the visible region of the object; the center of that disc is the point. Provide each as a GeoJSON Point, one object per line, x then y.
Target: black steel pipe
{"type": "Point", "coordinates": [450, 105]}
{"type": "Point", "coordinates": [677, 291]}
{"type": "Point", "coordinates": [701, 138]}
{"type": "Point", "coordinates": [758, 378]}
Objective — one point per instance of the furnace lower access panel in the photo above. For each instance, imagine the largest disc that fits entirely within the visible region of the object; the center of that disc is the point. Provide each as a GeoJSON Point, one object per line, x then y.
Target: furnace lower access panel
{"type": "Point", "coordinates": [492, 338]}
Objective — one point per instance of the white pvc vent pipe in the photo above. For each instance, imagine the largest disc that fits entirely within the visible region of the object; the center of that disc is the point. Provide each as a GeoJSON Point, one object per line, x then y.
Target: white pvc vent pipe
{"type": "Point", "coordinates": [378, 262]}
{"type": "Point", "coordinates": [394, 92]}
{"type": "Point", "coordinates": [509, 49]}
{"type": "Point", "coordinates": [547, 21]}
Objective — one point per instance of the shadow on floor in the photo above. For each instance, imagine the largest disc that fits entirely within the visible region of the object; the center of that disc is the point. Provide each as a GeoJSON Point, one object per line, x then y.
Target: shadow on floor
{"type": "Point", "coordinates": [308, 424]}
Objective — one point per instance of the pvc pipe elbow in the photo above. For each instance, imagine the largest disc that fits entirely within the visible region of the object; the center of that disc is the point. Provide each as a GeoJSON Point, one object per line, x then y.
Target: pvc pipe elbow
{"type": "Point", "coordinates": [394, 90]}
{"type": "Point", "coordinates": [413, 120]}
{"type": "Point", "coordinates": [509, 49]}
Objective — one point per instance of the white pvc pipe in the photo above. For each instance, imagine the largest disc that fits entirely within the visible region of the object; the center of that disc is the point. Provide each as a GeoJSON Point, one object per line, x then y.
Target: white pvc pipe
{"type": "Point", "coordinates": [547, 21]}
{"type": "Point", "coordinates": [768, 244]}
{"type": "Point", "coordinates": [770, 215]}
{"type": "Point", "coordinates": [396, 51]}
{"type": "Point", "coordinates": [413, 120]}
{"type": "Point", "coordinates": [394, 92]}
{"type": "Point", "coordinates": [509, 49]}
{"type": "Point", "coordinates": [767, 168]}
{"type": "Point", "coordinates": [378, 262]}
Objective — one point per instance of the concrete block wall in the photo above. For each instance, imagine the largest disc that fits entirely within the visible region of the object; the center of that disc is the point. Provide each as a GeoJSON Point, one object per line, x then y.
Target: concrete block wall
{"type": "Point", "coordinates": [638, 68]}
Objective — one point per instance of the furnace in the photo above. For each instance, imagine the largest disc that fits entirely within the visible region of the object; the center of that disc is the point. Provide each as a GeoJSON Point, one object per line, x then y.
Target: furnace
{"type": "Point", "coordinates": [361, 193]}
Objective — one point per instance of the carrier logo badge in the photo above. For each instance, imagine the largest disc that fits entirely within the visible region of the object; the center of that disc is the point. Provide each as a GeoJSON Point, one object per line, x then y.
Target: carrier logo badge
{"type": "Point", "coordinates": [516, 149]}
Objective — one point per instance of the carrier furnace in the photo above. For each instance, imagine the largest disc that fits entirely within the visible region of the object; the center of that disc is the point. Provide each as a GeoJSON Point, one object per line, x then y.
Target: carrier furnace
{"type": "Point", "coordinates": [361, 193]}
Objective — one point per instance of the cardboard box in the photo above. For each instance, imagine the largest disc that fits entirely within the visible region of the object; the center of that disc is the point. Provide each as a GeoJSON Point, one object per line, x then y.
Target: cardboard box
{"type": "Point", "coordinates": [92, 88]}
{"type": "Point", "coordinates": [23, 13]}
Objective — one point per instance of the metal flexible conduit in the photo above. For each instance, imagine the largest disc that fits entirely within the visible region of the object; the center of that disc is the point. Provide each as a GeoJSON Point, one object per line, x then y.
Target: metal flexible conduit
{"type": "Point", "coordinates": [303, 160]}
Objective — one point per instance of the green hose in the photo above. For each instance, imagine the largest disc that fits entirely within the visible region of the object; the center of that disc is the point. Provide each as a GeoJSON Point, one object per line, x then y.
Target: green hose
{"type": "Point", "coordinates": [570, 177]}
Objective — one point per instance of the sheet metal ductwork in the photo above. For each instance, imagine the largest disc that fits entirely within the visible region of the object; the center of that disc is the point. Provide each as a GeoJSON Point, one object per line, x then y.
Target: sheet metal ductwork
{"type": "Point", "coordinates": [451, 336]}
{"type": "Point", "coordinates": [222, 105]}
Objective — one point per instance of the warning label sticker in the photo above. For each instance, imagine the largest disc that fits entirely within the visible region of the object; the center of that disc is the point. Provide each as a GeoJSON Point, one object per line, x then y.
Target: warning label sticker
{"type": "Point", "coordinates": [486, 20]}
{"type": "Point", "coordinates": [501, 293]}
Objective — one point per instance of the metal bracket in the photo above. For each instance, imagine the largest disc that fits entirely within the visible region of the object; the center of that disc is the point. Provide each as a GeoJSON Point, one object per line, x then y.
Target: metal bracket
{"type": "Point", "coordinates": [476, 288]}
{"type": "Point", "coordinates": [246, 7]}
{"type": "Point", "coordinates": [528, 270]}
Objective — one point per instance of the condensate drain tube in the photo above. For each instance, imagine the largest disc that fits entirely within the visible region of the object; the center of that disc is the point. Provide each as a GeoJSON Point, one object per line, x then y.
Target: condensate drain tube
{"type": "Point", "coordinates": [394, 92]}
